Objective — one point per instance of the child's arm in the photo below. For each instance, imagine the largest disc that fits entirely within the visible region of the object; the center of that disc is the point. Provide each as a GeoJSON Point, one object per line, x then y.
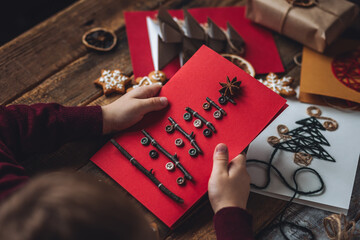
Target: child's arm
{"type": "Point", "coordinates": [44, 127]}
{"type": "Point", "coordinates": [229, 187]}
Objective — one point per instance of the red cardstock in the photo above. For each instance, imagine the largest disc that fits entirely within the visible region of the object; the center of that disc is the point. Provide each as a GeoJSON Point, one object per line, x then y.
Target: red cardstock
{"type": "Point", "coordinates": [261, 50]}
{"type": "Point", "coordinates": [197, 79]}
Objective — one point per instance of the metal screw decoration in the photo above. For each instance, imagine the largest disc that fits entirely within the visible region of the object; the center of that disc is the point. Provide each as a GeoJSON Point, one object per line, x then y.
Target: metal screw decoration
{"type": "Point", "coordinates": [207, 132]}
{"type": "Point", "coordinates": [187, 116]}
{"type": "Point", "coordinates": [216, 106]}
{"type": "Point", "coordinates": [169, 166]}
{"type": "Point", "coordinates": [207, 123]}
{"type": "Point", "coordinates": [197, 123]}
{"type": "Point", "coordinates": [145, 141]}
{"type": "Point", "coordinates": [169, 128]}
{"type": "Point", "coordinates": [222, 100]}
{"type": "Point", "coordinates": [190, 137]}
{"type": "Point", "coordinates": [217, 114]}
{"type": "Point", "coordinates": [206, 106]}
{"type": "Point", "coordinates": [173, 158]}
{"type": "Point", "coordinates": [192, 152]}
{"type": "Point", "coordinates": [148, 174]}
{"type": "Point", "coordinates": [230, 100]}
{"type": "Point", "coordinates": [180, 181]}
{"type": "Point", "coordinates": [154, 154]}
{"type": "Point", "coordinates": [179, 142]}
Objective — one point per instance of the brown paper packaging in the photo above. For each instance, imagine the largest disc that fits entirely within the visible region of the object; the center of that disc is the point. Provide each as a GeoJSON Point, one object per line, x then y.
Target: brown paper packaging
{"type": "Point", "coordinates": [316, 26]}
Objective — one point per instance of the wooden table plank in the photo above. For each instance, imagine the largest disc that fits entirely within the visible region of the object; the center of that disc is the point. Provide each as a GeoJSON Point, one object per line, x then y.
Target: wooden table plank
{"type": "Point", "coordinates": [67, 78]}
{"type": "Point", "coordinates": [50, 46]}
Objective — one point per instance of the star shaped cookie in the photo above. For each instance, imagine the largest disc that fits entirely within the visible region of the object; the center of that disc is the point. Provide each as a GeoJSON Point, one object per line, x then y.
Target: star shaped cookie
{"type": "Point", "coordinates": [279, 85]}
{"type": "Point", "coordinates": [112, 81]}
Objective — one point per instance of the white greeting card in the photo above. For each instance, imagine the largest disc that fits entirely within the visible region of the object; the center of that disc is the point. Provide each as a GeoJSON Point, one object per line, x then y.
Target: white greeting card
{"type": "Point", "coordinates": [338, 176]}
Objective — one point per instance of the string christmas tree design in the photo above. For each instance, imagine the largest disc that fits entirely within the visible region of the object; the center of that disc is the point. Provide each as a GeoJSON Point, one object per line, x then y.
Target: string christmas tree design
{"type": "Point", "coordinates": [304, 141]}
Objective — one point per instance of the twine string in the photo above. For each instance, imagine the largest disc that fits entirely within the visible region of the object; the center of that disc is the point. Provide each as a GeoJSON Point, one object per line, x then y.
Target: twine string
{"type": "Point", "coordinates": [329, 123]}
{"type": "Point", "coordinates": [304, 4]}
{"type": "Point", "coordinates": [337, 227]}
{"type": "Point", "coordinates": [282, 223]}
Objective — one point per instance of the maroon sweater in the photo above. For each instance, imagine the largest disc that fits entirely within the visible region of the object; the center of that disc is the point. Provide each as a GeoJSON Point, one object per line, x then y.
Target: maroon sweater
{"type": "Point", "coordinates": [39, 128]}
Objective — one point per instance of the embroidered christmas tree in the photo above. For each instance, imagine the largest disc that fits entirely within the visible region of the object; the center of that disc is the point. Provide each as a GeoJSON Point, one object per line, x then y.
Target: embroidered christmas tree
{"type": "Point", "coordinates": [306, 140]}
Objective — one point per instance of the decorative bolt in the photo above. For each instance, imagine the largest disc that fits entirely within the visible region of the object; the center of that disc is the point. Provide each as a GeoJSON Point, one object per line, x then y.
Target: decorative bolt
{"type": "Point", "coordinates": [206, 106]}
{"type": "Point", "coordinates": [207, 132]}
{"type": "Point", "coordinates": [187, 116]}
{"type": "Point", "coordinates": [154, 154]}
{"type": "Point", "coordinates": [145, 141]}
{"type": "Point", "coordinates": [169, 166]}
{"type": "Point", "coordinates": [179, 142]}
{"type": "Point", "coordinates": [222, 100]}
{"type": "Point", "coordinates": [217, 114]}
{"type": "Point", "coordinates": [169, 128]}
{"type": "Point", "coordinates": [180, 181]}
{"type": "Point", "coordinates": [193, 152]}
{"type": "Point", "coordinates": [197, 123]}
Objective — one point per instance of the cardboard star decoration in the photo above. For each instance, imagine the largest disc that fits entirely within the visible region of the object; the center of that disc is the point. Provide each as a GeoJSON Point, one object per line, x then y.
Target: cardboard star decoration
{"type": "Point", "coordinates": [198, 79]}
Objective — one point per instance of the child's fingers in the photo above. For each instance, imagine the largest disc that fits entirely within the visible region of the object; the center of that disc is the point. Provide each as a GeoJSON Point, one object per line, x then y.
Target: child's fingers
{"type": "Point", "coordinates": [220, 159]}
{"type": "Point", "coordinates": [237, 164]}
{"type": "Point", "coordinates": [146, 91]}
{"type": "Point", "coordinates": [153, 104]}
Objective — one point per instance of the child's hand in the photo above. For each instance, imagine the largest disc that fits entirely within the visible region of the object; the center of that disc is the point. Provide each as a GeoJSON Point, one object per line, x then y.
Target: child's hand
{"type": "Point", "coordinates": [229, 183]}
{"type": "Point", "coordinates": [131, 108]}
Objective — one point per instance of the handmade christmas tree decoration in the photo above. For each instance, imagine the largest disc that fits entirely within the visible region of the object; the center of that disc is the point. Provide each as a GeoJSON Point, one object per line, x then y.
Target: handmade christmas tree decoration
{"type": "Point", "coordinates": [216, 37]}
{"type": "Point", "coordinates": [187, 36]}
{"type": "Point", "coordinates": [304, 141]}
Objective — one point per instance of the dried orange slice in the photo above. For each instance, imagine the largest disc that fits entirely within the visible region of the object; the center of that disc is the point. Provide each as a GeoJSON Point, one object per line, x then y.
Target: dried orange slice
{"type": "Point", "coordinates": [100, 39]}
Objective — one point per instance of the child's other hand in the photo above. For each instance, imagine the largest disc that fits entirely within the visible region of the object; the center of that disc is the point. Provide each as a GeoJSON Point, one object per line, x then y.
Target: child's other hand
{"type": "Point", "coordinates": [131, 108]}
{"type": "Point", "coordinates": [229, 183]}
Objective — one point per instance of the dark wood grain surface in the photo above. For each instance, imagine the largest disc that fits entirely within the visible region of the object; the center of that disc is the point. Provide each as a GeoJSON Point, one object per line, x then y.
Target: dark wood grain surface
{"type": "Point", "coordinates": [49, 64]}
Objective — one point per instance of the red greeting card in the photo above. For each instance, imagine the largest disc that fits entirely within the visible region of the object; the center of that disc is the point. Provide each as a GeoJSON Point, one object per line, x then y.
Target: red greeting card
{"type": "Point", "coordinates": [197, 79]}
{"type": "Point", "coordinates": [261, 50]}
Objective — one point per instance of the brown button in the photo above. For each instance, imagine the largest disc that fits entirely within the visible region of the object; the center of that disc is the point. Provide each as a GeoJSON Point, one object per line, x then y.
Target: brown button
{"type": "Point", "coordinates": [169, 166]}
{"type": "Point", "coordinates": [169, 128]}
{"type": "Point", "coordinates": [179, 142]}
{"type": "Point", "coordinates": [206, 106]}
{"type": "Point", "coordinates": [217, 114]}
{"type": "Point", "coordinates": [197, 123]}
{"type": "Point", "coordinates": [180, 181]}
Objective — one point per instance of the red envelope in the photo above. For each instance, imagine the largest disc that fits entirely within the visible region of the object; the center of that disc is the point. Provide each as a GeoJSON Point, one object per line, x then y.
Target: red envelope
{"type": "Point", "coordinates": [197, 79]}
{"type": "Point", "coordinates": [261, 50]}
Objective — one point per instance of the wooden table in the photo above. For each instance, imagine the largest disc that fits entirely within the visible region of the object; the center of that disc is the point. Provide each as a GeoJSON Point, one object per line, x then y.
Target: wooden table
{"type": "Point", "coordinates": [50, 64]}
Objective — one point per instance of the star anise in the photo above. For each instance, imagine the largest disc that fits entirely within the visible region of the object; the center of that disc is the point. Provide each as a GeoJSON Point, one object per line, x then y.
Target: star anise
{"type": "Point", "coordinates": [230, 88]}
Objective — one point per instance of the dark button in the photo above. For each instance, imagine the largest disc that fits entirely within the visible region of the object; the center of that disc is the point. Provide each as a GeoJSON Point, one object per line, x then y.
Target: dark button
{"type": "Point", "coordinates": [193, 152]}
{"type": "Point", "coordinates": [179, 142]}
{"type": "Point", "coordinates": [207, 132]}
{"type": "Point", "coordinates": [154, 154]}
{"type": "Point", "coordinates": [180, 181]}
{"type": "Point", "coordinates": [217, 114]}
{"type": "Point", "coordinates": [169, 166]}
{"type": "Point", "coordinates": [187, 116]}
{"type": "Point", "coordinates": [145, 141]}
{"type": "Point", "coordinates": [197, 123]}
{"type": "Point", "coordinates": [222, 100]}
{"type": "Point", "coordinates": [169, 128]}
{"type": "Point", "coordinates": [206, 106]}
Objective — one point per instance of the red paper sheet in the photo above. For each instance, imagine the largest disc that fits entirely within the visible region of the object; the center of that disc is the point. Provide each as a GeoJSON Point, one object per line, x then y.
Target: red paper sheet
{"type": "Point", "coordinates": [189, 87]}
{"type": "Point", "coordinates": [261, 50]}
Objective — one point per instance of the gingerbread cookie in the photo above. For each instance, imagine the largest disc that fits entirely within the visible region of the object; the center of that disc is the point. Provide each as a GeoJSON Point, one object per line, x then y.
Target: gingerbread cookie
{"type": "Point", "coordinates": [112, 81]}
{"type": "Point", "coordinates": [279, 85]}
{"type": "Point", "coordinates": [155, 77]}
